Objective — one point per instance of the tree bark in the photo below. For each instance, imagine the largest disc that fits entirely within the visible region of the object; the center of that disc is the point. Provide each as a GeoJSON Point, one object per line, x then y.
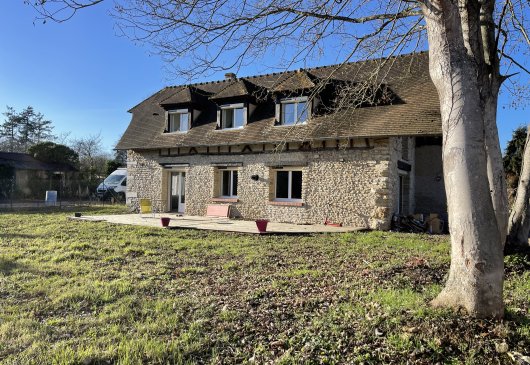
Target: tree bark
{"type": "Point", "coordinates": [519, 223]}
{"type": "Point", "coordinates": [496, 177]}
{"type": "Point", "coordinates": [476, 273]}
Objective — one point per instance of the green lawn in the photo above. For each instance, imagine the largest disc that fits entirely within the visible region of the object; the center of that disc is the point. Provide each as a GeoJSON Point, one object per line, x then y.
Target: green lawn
{"type": "Point", "coordinates": [76, 292]}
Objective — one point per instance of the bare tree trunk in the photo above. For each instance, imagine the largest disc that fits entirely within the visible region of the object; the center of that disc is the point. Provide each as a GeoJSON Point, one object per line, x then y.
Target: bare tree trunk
{"type": "Point", "coordinates": [476, 274]}
{"type": "Point", "coordinates": [496, 177]}
{"type": "Point", "coordinates": [519, 224]}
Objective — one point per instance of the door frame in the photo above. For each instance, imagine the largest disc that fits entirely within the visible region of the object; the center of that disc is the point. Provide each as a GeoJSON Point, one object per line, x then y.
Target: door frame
{"type": "Point", "coordinates": [169, 178]}
{"type": "Point", "coordinates": [403, 194]}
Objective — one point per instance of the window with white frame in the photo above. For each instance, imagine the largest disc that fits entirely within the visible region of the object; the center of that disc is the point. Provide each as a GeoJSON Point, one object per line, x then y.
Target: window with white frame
{"type": "Point", "coordinates": [294, 111]}
{"type": "Point", "coordinates": [288, 185]}
{"type": "Point", "coordinates": [232, 116]}
{"type": "Point", "coordinates": [228, 183]}
{"type": "Point", "coordinates": [178, 120]}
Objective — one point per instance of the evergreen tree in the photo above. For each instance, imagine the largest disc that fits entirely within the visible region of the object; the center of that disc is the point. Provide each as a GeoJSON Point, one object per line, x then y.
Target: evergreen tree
{"type": "Point", "coordinates": [21, 130]}
{"type": "Point", "coordinates": [513, 155]}
{"type": "Point", "coordinates": [9, 130]}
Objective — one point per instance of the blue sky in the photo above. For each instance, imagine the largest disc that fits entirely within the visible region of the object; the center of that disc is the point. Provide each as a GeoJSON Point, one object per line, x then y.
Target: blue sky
{"type": "Point", "coordinates": [84, 78]}
{"type": "Point", "coordinates": [78, 74]}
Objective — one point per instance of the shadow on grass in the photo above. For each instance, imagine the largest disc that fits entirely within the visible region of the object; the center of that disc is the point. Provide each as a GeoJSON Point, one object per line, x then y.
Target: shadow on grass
{"type": "Point", "coordinates": [517, 317]}
{"type": "Point", "coordinates": [16, 235]}
{"type": "Point", "coordinates": [516, 263]}
{"type": "Point", "coordinates": [521, 320]}
{"type": "Point", "coordinates": [85, 209]}
{"type": "Point", "coordinates": [8, 266]}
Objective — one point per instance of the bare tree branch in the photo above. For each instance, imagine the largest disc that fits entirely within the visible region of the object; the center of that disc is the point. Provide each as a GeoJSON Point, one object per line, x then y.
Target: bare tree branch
{"type": "Point", "coordinates": [391, 16]}
{"type": "Point", "coordinates": [518, 64]}
{"type": "Point", "coordinates": [59, 10]}
{"type": "Point", "coordinates": [518, 23]}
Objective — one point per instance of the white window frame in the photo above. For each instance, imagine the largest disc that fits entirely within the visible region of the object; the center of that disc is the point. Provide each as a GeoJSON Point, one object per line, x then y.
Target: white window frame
{"type": "Point", "coordinates": [289, 185]}
{"type": "Point", "coordinates": [234, 107]}
{"type": "Point", "coordinates": [178, 112]}
{"type": "Point", "coordinates": [296, 101]}
{"type": "Point", "coordinates": [231, 188]}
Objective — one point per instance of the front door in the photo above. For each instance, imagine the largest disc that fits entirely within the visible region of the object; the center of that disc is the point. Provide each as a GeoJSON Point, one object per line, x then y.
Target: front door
{"type": "Point", "coordinates": [177, 192]}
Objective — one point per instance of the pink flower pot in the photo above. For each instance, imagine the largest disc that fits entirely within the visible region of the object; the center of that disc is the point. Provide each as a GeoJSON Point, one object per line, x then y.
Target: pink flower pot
{"type": "Point", "coordinates": [262, 225]}
{"type": "Point", "coordinates": [165, 221]}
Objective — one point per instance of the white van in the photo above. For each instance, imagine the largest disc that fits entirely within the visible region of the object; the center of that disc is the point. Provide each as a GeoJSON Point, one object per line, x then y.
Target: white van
{"type": "Point", "coordinates": [117, 181]}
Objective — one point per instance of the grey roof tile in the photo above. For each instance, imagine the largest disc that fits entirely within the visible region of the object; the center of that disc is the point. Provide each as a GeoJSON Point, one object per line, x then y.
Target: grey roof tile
{"type": "Point", "coordinates": [417, 113]}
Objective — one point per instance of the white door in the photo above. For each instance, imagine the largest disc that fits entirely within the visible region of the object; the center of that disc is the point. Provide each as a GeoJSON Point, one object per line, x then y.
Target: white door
{"type": "Point", "coordinates": [177, 194]}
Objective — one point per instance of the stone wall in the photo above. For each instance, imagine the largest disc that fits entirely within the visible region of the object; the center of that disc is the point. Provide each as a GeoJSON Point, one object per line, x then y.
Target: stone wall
{"type": "Point", "coordinates": [144, 180]}
{"type": "Point", "coordinates": [352, 186]}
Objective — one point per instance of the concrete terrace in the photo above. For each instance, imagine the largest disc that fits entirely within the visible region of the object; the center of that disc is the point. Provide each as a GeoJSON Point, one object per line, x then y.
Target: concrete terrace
{"type": "Point", "coordinates": [215, 224]}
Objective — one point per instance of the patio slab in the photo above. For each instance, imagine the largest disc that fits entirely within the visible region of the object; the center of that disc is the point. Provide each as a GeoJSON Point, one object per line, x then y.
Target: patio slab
{"type": "Point", "coordinates": [216, 224]}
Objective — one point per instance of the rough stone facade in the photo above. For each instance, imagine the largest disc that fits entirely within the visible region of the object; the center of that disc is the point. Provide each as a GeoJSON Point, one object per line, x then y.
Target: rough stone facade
{"type": "Point", "coordinates": [352, 186]}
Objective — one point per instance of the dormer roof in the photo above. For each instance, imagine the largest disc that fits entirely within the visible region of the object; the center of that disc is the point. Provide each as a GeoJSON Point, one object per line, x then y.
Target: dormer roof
{"type": "Point", "coordinates": [183, 95]}
{"type": "Point", "coordinates": [298, 80]}
{"type": "Point", "coordinates": [236, 88]}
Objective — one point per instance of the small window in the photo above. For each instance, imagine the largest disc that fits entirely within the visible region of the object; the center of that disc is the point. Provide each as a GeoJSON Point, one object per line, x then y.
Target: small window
{"type": "Point", "coordinates": [229, 183]}
{"type": "Point", "coordinates": [232, 116]}
{"type": "Point", "coordinates": [294, 111]}
{"type": "Point", "coordinates": [288, 185]}
{"type": "Point", "coordinates": [178, 121]}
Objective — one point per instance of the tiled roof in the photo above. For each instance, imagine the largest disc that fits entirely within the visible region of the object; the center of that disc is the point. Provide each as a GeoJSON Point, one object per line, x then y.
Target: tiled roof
{"type": "Point", "coordinates": [181, 95]}
{"type": "Point", "coordinates": [295, 81]}
{"type": "Point", "coordinates": [417, 113]}
{"type": "Point", "coordinates": [236, 88]}
{"type": "Point", "coordinates": [24, 161]}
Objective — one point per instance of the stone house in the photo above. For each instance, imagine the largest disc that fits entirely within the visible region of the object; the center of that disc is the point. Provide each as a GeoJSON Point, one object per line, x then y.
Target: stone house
{"type": "Point", "coordinates": [276, 146]}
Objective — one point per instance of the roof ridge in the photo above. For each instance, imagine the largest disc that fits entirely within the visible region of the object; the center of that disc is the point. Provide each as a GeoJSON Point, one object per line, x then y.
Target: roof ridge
{"type": "Point", "coordinates": [307, 70]}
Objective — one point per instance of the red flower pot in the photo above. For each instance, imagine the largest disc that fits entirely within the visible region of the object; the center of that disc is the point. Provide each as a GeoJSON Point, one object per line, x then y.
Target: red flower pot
{"type": "Point", "coordinates": [165, 221]}
{"type": "Point", "coordinates": [262, 225]}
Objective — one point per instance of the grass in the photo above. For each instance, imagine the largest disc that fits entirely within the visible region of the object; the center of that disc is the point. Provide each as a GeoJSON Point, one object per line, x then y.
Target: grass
{"type": "Point", "coordinates": [74, 292]}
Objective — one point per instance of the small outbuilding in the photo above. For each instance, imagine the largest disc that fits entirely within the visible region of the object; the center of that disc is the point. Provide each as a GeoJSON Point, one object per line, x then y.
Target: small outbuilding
{"type": "Point", "coordinates": [23, 176]}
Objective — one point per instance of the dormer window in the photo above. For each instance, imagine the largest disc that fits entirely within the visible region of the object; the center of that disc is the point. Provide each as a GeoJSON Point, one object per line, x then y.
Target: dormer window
{"type": "Point", "coordinates": [294, 111]}
{"type": "Point", "coordinates": [178, 120]}
{"type": "Point", "coordinates": [232, 116]}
